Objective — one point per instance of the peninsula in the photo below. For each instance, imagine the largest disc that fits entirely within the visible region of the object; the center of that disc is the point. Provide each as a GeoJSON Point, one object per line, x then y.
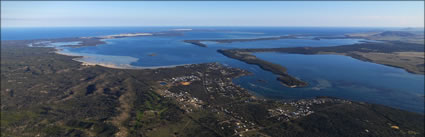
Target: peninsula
{"type": "Point", "coordinates": [95, 40]}
{"type": "Point", "coordinates": [277, 69]}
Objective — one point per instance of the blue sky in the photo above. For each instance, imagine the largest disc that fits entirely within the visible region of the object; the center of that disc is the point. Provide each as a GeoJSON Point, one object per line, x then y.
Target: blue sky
{"type": "Point", "coordinates": [218, 13]}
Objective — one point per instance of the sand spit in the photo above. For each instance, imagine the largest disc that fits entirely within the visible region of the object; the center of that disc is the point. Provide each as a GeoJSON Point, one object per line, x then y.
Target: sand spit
{"type": "Point", "coordinates": [123, 66]}
{"type": "Point", "coordinates": [87, 59]}
{"type": "Point", "coordinates": [124, 35]}
{"type": "Point", "coordinates": [116, 62]}
{"type": "Point", "coordinates": [182, 29]}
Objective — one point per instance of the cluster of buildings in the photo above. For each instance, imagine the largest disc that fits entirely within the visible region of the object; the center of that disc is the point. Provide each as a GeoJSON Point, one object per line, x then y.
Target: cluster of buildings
{"type": "Point", "coordinates": [186, 101]}
{"type": "Point", "coordinates": [238, 123]}
{"type": "Point", "coordinates": [217, 83]}
{"type": "Point", "coordinates": [223, 88]}
{"type": "Point", "coordinates": [320, 101]}
{"type": "Point", "coordinates": [302, 108]}
{"type": "Point", "coordinates": [223, 85]}
{"type": "Point", "coordinates": [282, 114]}
{"type": "Point", "coordinates": [235, 122]}
{"type": "Point", "coordinates": [215, 66]}
{"type": "Point", "coordinates": [184, 79]}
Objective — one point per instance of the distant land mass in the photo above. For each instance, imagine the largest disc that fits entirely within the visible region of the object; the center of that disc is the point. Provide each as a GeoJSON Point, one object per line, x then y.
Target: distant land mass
{"type": "Point", "coordinates": [395, 34]}
{"type": "Point", "coordinates": [401, 36]}
{"type": "Point", "coordinates": [400, 49]}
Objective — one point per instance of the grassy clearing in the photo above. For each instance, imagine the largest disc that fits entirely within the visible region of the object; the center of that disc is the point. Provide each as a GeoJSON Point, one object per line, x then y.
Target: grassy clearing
{"type": "Point", "coordinates": [10, 117]}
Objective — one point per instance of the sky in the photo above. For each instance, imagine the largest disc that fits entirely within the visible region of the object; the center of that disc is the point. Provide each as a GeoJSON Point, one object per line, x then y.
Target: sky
{"type": "Point", "coordinates": [212, 13]}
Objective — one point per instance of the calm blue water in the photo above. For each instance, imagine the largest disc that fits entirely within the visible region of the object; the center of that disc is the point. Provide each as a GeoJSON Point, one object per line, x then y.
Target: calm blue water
{"type": "Point", "coordinates": [343, 77]}
{"type": "Point", "coordinates": [60, 32]}
{"type": "Point", "coordinates": [328, 75]}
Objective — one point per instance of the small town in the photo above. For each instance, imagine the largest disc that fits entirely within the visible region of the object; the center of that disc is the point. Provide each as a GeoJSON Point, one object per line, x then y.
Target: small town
{"type": "Point", "coordinates": [185, 90]}
{"type": "Point", "coordinates": [302, 108]}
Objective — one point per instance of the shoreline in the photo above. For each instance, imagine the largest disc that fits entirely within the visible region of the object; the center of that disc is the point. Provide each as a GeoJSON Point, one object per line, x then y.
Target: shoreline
{"type": "Point", "coordinates": [95, 40]}
{"type": "Point", "coordinates": [342, 49]}
{"type": "Point", "coordinates": [357, 51]}
{"type": "Point", "coordinates": [79, 58]}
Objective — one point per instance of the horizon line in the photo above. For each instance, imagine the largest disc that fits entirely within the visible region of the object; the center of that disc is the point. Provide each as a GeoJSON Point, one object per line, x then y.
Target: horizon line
{"type": "Point", "coordinates": [215, 26]}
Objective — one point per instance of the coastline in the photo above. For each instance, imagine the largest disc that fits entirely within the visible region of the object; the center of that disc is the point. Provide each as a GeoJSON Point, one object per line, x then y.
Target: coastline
{"type": "Point", "coordinates": [80, 58]}
{"type": "Point", "coordinates": [97, 40]}
{"type": "Point", "coordinates": [94, 41]}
